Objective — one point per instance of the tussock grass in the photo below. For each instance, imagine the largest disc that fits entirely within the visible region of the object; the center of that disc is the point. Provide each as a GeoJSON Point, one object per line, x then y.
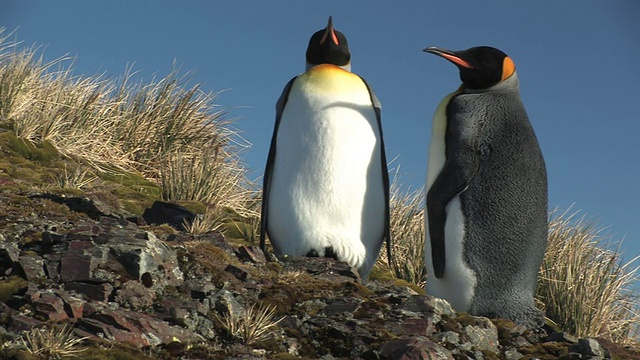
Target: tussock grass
{"type": "Point", "coordinates": [77, 177]}
{"type": "Point", "coordinates": [407, 231]}
{"type": "Point", "coordinates": [52, 343]}
{"type": "Point", "coordinates": [165, 130]}
{"type": "Point", "coordinates": [584, 286]}
{"type": "Point", "coordinates": [255, 324]}
{"type": "Point", "coordinates": [210, 220]}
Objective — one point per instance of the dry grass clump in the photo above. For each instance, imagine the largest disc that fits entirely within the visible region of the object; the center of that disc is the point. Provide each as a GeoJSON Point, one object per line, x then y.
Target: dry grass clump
{"type": "Point", "coordinates": [584, 286]}
{"type": "Point", "coordinates": [74, 177]}
{"type": "Point", "coordinates": [52, 343]}
{"type": "Point", "coordinates": [210, 220]}
{"type": "Point", "coordinates": [253, 325]}
{"type": "Point", "coordinates": [407, 233]}
{"type": "Point", "coordinates": [172, 134]}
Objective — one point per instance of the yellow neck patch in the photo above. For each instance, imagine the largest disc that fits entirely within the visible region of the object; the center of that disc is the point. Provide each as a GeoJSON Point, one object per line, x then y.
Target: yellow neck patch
{"type": "Point", "coordinates": [331, 78]}
{"type": "Point", "coordinates": [508, 68]}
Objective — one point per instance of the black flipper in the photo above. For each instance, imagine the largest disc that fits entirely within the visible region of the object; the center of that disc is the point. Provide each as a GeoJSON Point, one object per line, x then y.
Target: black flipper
{"type": "Point", "coordinates": [461, 165]}
{"type": "Point", "coordinates": [266, 179]}
{"type": "Point", "coordinates": [385, 172]}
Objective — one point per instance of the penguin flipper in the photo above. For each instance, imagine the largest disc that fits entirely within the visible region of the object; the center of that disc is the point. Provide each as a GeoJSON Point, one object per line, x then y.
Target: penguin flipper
{"type": "Point", "coordinates": [447, 185]}
{"type": "Point", "coordinates": [461, 165]}
{"type": "Point", "coordinates": [268, 171]}
{"type": "Point", "coordinates": [377, 106]}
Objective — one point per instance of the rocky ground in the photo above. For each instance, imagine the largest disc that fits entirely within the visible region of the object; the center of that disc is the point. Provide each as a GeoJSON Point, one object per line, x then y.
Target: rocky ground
{"type": "Point", "coordinates": [137, 291]}
{"type": "Point", "coordinates": [133, 289]}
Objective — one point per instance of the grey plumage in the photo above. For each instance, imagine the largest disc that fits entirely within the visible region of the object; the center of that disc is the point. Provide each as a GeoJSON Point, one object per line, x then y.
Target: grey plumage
{"type": "Point", "coordinates": [505, 203]}
{"type": "Point", "coordinates": [494, 165]}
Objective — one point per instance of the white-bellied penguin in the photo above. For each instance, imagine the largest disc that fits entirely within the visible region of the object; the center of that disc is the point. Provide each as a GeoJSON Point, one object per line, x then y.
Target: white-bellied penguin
{"type": "Point", "coordinates": [326, 184]}
{"type": "Point", "coordinates": [486, 223]}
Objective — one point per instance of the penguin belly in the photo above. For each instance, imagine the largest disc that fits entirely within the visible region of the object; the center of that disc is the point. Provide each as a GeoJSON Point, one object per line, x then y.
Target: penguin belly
{"type": "Point", "coordinates": [327, 185]}
{"type": "Point", "coordinates": [458, 283]}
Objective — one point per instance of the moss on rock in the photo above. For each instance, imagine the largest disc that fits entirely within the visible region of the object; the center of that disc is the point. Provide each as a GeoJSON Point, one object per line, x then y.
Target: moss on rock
{"type": "Point", "coordinates": [11, 286]}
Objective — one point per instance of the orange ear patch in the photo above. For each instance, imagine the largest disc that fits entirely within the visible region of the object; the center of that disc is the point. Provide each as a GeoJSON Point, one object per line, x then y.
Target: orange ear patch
{"type": "Point", "coordinates": [508, 68]}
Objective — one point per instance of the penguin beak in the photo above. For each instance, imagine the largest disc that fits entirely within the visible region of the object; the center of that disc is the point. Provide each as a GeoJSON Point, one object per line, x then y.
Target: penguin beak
{"type": "Point", "coordinates": [329, 32]}
{"type": "Point", "coordinates": [449, 55]}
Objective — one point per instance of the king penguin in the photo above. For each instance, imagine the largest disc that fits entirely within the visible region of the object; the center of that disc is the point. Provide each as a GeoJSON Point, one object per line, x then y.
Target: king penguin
{"type": "Point", "coordinates": [326, 184]}
{"type": "Point", "coordinates": [486, 223]}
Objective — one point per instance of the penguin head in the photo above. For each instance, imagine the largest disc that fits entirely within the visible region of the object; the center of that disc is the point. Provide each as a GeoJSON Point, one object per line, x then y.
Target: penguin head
{"type": "Point", "coordinates": [480, 67]}
{"type": "Point", "coordinates": [328, 46]}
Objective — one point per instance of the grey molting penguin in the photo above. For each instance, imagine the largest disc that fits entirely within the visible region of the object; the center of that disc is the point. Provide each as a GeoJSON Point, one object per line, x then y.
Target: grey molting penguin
{"type": "Point", "coordinates": [486, 193]}
{"type": "Point", "coordinates": [326, 185]}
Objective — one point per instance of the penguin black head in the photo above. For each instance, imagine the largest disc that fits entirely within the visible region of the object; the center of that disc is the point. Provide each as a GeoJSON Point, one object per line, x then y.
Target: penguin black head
{"type": "Point", "coordinates": [480, 67]}
{"type": "Point", "coordinates": [328, 46]}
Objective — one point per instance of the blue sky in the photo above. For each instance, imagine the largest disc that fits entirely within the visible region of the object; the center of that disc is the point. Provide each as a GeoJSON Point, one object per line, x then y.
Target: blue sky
{"type": "Point", "coordinates": [577, 61]}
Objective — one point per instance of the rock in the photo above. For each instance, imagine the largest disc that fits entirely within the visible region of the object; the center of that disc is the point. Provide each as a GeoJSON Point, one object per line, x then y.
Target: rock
{"type": "Point", "coordinates": [135, 328]}
{"type": "Point", "coordinates": [442, 306]}
{"type": "Point", "coordinates": [561, 337]}
{"type": "Point", "coordinates": [414, 348]}
{"type": "Point", "coordinates": [323, 268]}
{"type": "Point", "coordinates": [145, 253]}
{"type": "Point", "coordinates": [589, 347]}
{"type": "Point", "coordinates": [77, 204]}
{"type": "Point", "coordinates": [483, 336]}
{"type": "Point", "coordinates": [74, 306]}
{"type": "Point", "coordinates": [9, 253]}
{"type": "Point", "coordinates": [99, 292]}
{"type": "Point", "coordinates": [51, 307]}
{"type": "Point", "coordinates": [239, 273]}
{"type": "Point", "coordinates": [512, 355]}
{"type": "Point", "coordinates": [112, 333]}
{"type": "Point", "coordinates": [31, 267]}
{"type": "Point", "coordinates": [340, 307]}
{"type": "Point", "coordinates": [76, 264]}
{"type": "Point", "coordinates": [19, 323]}
{"type": "Point", "coordinates": [225, 303]}
{"type": "Point", "coordinates": [449, 339]}
{"type": "Point", "coordinates": [167, 213]}
{"type": "Point", "coordinates": [413, 327]}
{"type": "Point", "coordinates": [217, 239]}
{"type": "Point", "coordinates": [198, 288]}
{"type": "Point", "coordinates": [418, 306]}
{"type": "Point", "coordinates": [251, 253]}
{"type": "Point", "coordinates": [52, 266]}
{"type": "Point", "coordinates": [135, 296]}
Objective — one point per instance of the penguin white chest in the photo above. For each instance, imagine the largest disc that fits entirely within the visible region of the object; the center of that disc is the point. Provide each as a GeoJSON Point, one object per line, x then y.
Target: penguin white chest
{"type": "Point", "coordinates": [458, 283]}
{"type": "Point", "coordinates": [327, 186]}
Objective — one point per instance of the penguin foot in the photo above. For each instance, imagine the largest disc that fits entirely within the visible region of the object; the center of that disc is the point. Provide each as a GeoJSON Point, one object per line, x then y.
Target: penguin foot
{"type": "Point", "coordinates": [536, 319]}
{"type": "Point", "coordinates": [531, 317]}
{"type": "Point", "coordinates": [328, 253]}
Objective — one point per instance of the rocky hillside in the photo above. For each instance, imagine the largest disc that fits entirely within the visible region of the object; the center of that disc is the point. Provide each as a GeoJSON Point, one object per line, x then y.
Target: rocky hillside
{"type": "Point", "coordinates": [131, 288]}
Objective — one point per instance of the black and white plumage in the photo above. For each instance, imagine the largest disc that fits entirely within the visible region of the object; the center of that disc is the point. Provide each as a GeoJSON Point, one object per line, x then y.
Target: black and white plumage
{"type": "Point", "coordinates": [326, 184]}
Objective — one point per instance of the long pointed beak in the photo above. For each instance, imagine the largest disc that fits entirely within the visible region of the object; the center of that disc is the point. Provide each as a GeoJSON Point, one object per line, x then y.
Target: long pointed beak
{"type": "Point", "coordinates": [329, 32]}
{"type": "Point", "coordinates": [449, 55]}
